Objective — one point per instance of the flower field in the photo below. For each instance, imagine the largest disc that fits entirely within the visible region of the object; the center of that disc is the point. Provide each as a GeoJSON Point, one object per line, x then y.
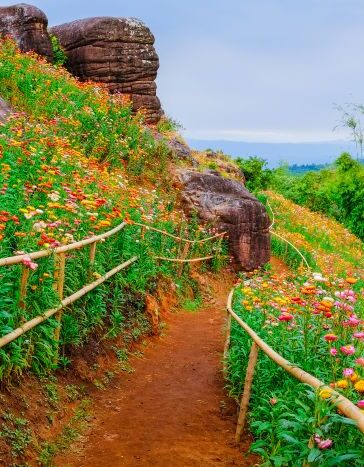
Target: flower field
{"type": "Point", "coordinates": [314, 320]}
{"type": "Point", "coordinates": [74, 162]}
{"type": "Point", "coordinates": [327, 245]}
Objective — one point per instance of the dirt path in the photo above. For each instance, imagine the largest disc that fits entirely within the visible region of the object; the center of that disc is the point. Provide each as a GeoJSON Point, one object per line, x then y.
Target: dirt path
{"type": "Point", "coordinates": [172, 411]}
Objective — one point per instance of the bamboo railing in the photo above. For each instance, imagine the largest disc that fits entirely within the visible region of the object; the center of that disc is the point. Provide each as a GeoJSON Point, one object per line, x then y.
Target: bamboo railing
{"type": "Point", "coordinates": [59, 254]}
{"type": "Point", "coordinates": [273, 232]}
{"type": "Point", "coordinates": [347, 407]}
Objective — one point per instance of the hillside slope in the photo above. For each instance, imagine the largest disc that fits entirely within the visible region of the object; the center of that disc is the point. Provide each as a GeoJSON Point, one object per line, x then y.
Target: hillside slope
{"type": "Point", "coordinates": [313, 317]}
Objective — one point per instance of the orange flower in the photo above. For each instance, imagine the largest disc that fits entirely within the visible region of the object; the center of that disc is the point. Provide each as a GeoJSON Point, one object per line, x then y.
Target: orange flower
{"type": "Point", "coordinates": [359, 386]}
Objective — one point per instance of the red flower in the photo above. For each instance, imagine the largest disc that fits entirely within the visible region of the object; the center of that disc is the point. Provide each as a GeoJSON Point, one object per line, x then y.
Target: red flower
{"type": "Point", "coordinates": [330, 338]}
{"type": "Point", "coordinates": [285, 317]}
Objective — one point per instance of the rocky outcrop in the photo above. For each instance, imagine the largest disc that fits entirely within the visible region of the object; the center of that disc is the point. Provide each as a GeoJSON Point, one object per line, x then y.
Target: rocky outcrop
{"type": "Point", "coordinates": [229, 206]}
{"type": "Point", "coordinates": [178, 149]}
{"type": "Point", "coordinates": [27, 25]}
{"type": "Point", "coordinates": [118, 52]}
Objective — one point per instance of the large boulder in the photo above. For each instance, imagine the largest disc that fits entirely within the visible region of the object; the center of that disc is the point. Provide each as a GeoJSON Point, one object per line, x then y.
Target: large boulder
{"type": "Point", "coordinates": [118, 52]}
{"type": "Point", "coordinates": [27, 25]}
{"type": "Point", "coordinates": [228, 205]}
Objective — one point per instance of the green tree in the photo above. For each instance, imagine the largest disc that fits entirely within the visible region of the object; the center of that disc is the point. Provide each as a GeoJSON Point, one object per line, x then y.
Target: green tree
{"type": "Point", "coordinates": [256, 173]}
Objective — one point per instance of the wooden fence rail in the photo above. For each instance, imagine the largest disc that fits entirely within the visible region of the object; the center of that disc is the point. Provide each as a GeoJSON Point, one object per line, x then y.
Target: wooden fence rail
{"type": "Point", "coordinates": [59, 274]}
{"type": "Point", "coordinates": [348, 408]}
{"type": "Point", "coordinates": [65, 302]}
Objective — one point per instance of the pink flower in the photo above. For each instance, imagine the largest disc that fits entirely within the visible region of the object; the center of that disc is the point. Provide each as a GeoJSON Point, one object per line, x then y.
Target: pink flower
{"type": "Point", "coordinates": [360, 361]}
{"type": "Point", "coordinates": [352, 321]}
{"type": "Point", "coordinates": [317, 438]}
{"type": "Point", "coordinates": [27, 261]}
{"type": "Point", "coordinates": [360, 404]}
{"type": "Point", "coordinates": [347, 349]}
{"type": "Point", "coordinates": [359, 335]}
{"type": "Point", "coordinates": [333, 351]}
{"type": "Point", "coordinates": [330, 338]}
{"type": "Point", "coordinates": [325, 444]}
{"type": "Point", "coordinates": [348, 372]}
{"type": "Point", "coordinates": [285, 317]}
{"type": "Point", "coordinates": [322, 444]}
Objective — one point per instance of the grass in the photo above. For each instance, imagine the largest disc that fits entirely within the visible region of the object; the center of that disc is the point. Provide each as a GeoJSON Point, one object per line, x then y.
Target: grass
{"type": "Point", "coordinates": [16, 432]}
{"type": "Point", "coordinates": [192, 305]}
{"type": "Point", "coordinates": [69, 434]}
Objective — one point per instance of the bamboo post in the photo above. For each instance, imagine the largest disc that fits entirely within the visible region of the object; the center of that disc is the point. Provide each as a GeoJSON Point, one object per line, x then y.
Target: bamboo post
{"type": "Point", "coordinates": [253, 357]}
{"type": "Point", "coordinates": [92, 258]}
{"type": "Point", "coordinates": [227, 342]}
{"type": "Point", "coordinates": [58, 286]}
{"type": "Point", "coordinates": [23, 286]}
{"type": "Point", "coordinates": [185, 251]}
{"type": "Point", "coordinates": [92, 253]}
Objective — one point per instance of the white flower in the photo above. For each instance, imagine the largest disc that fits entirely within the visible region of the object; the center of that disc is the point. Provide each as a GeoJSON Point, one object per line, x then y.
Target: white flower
{"type": "Point", "coordinates": [39, 226]}
{"type": "Point", "coordinates": [53, 196]}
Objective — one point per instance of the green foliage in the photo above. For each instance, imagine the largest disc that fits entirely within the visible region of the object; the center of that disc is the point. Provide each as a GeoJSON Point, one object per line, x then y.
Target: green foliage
{"type": "Point", "coordinates": [16, 432]}
{"type": "Point", "coordinates": [289, 255]}
{"type": "Point", "coordinates": [68, 435]}
{"type": "Point", "coordinates": [337, 191]}
{"type": "Point", "coordinates": [59, 54]}
{"type": "Point", "coordinates": [167, 125]}
{"type": "Point", "coordinates": [256, 174]}
{"type": "Point", "coordinates": [192, 305]}
{"type": "Point", "coordinates": [85, 116]}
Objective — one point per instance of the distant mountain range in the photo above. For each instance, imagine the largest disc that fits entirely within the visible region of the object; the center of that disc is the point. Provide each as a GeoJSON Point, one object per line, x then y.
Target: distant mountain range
{"type": "Point", "coordinates": [275, 153]}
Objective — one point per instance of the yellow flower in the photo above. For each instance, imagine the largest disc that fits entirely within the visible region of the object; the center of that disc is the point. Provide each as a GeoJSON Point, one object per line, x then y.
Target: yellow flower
{"type": "Point", "coordinates": [326, 393]}
{"type": "Point", "coordinates": [343, 384]}
{"type": "Point", "coordinates": [359, 386]}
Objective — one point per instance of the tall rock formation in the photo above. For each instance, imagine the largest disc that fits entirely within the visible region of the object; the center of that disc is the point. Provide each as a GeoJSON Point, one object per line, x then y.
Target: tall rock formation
{"type": "Point", "coordinates": [228, 205]}
{"type": "Point", "coordinates": [27, 25]}
{"type": "Point", "coordinates": [118, 52]}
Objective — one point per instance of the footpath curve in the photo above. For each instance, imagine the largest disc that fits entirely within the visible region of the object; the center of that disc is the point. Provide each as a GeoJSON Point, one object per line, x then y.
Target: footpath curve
{"type": "Point", "coordinates": [173, 410]}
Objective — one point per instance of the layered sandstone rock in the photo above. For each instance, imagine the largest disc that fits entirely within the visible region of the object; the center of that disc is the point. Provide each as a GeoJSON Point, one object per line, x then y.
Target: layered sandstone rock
{"type": "Point", "coordinates": [229, 206]}
{"type": "Point", "coordinates": [27, 25]}
{"type": "Point", "coordinates": [118, 52]}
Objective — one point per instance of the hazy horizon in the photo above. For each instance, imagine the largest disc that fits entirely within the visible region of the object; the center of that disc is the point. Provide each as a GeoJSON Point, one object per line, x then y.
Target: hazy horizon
{"type": "Point", "coordinates": [275, 153]}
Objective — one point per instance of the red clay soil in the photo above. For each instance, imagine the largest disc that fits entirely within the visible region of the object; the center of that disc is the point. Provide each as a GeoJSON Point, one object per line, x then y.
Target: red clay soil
{"type": "Point", "coordinates": [173, 410]}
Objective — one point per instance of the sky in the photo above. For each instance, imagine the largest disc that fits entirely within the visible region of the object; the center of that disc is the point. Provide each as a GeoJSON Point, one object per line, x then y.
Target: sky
{"type": "Point", "coordinates": [247, 70]}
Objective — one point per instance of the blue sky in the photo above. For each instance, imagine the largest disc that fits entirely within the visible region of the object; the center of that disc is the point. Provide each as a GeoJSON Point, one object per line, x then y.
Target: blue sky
{"type": "Point", "coordinates": [253, 70]}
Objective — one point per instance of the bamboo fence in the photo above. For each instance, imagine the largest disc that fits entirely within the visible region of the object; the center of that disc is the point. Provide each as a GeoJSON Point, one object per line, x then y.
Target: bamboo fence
{"type": "Point", "coordinates": [347, 407]}
{"type": "Point", "coordinates": [59, 273]}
